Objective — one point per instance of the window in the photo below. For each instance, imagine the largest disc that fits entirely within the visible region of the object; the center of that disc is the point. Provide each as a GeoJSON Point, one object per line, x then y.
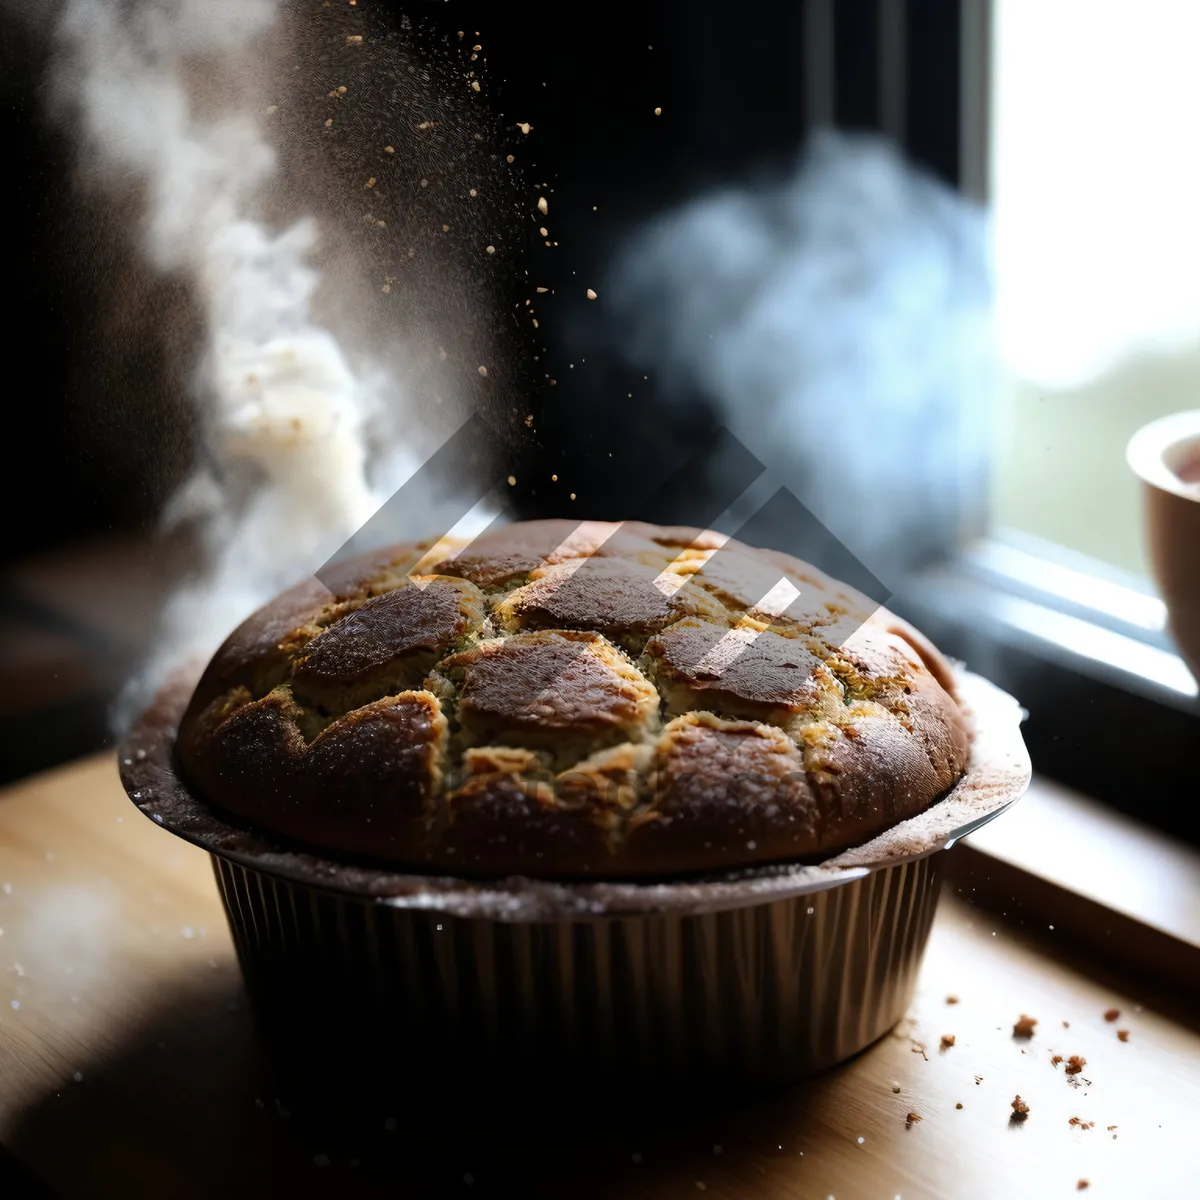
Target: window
{"type": "Point", "coordinates": [1094, 190]}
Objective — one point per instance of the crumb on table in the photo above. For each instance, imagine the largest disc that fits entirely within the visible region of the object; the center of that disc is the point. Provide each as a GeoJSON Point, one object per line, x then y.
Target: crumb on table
{"type": "Point", "coordinates": [951, 999]}
{"type": "Point", "coordinates": [911, 1119]}
{"type": "Point", "coordinates": [1020, 1108]}
{"type": "Point", "coordinates": [1112, 1014]}
{"type": "Point", "coordinates": [1075, 1064]}
{"type": "Point", "coordinates": [947, 1040]}
{"type": "Point", "coordinates": [1055, 1060]}
{"type": "Point", "coordinates": [1024, 1027]}
{"type": "Point", "coordinates": [1122, 1035]}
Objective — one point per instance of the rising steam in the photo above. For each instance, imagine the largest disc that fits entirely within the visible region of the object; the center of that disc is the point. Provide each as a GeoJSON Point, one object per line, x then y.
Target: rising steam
{"type": "Point", "coordinates": [839, 319]}
{"type": "Point", "coordinates": [173, 98]}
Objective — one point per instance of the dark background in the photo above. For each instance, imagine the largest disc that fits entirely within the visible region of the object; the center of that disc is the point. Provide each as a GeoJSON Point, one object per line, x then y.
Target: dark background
{"type": "Point", "coordinates": [101, 430]}
{"type": "Point", "coordinates": [77, 455]}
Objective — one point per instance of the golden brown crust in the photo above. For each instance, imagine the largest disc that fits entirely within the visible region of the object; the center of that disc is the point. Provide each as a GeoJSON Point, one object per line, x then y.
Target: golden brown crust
{"type": "Point", "coordinates": [566, 699]}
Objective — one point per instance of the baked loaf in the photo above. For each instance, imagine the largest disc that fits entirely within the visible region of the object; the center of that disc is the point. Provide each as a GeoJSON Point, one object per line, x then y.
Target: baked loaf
{"type": "Point", "coordinates": [565, 700]}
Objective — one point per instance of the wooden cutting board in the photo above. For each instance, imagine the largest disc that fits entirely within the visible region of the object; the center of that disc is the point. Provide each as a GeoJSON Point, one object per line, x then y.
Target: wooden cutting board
{"type": "Point", "coordinates": [129, 1066]}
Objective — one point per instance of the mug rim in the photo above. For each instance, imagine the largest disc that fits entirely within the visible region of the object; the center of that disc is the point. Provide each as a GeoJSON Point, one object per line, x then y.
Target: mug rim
{"type": "Point", "coordinates": [1146, 451]}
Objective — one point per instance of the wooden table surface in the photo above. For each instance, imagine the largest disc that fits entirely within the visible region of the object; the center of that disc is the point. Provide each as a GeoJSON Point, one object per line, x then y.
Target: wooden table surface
{"type": "Point", "coordinates": [128, 1062]}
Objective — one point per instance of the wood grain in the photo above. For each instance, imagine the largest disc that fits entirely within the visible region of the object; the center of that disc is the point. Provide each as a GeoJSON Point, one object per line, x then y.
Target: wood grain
{"type": "Point", "coordinates": [115, 964]}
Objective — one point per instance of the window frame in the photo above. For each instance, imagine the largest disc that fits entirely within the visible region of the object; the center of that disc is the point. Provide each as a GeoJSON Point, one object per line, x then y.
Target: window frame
{"type": "Point", "coordinates": [1113, 709]}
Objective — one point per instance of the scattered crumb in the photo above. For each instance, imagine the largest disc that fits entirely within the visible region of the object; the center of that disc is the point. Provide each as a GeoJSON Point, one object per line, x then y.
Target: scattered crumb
{"type": "Point", "coordinates": [1055, 1060]}
{"type": "Point", "coordinates": [1075, 1064]}
{"type": "Point", "coordinates": [543, 206]}
{"type": "Point", "coordinates": [1066, 1024]}
{"type": "Point", "coordinates": [1020, 1108]}
{"type": "Point", "coordinates": [1110, 1128]}
{"type": "Point", "coordinates": [542, 289]}
{"type": "Point", "coordinates": [491, 249]}
{"type": "Point", "coordinates": [978, 1080]}
{"type": "Point", "coordinates": [1122, 1035]}
{"type": "Point", "coordinates": [1082, 1185]}
{"type": "Point", "coordinates": [1112, 1014]}
{"type": "Point", "coordinates": [529, 420]}
{"type": "Point", "coordinates": [512, 481]}
{"type": "Point", "coordinates": [947, 1040]}
{"type": "Point", "coordinates": [340, 89]}
{"type": "Point", "coordinates": [483, 370]}
{"type": "Point", "coordinates": [473, 192]}
{"type": "Point", "coordinates": [474, 85]}
{"type": "Point", "coordinates": [591, 295]}
{"type": "Point", "coordinates": [658, 112]}
{"type": "Point", "coordinates": [572, 495]}
{"type": "Point", "coordinates": [524, 127]}
{"type": "Point", "coordinates": [354, 38]}
{"type": "Point", "coordinates": [959, 1105]}
{"type": "Point", "coordinates": [951, 999]}
{"type": "Point", "coordinates": [328, 122]}
{"type": "Point", "coordinates": [895, 1087]}
{"type": "Point", "coordinates": [553, 478]}
{"type": "Point", "coordinates": [389, 149]}
{"type": "Point", "coordinates": [1024, 1027]}
{"type": "Point", "coordinates": [511, 158]}
{"type": "Point", "coordinates": [544, 231]}
{"type": "Point", "coordinates": [370, 182]}
{"type": "Point", "coordinates": [911, 1119]}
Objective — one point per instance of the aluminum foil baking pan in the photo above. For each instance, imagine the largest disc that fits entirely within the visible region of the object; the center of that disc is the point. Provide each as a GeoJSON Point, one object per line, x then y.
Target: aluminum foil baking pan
{"type": "Point", "coordinates": [768, 974]}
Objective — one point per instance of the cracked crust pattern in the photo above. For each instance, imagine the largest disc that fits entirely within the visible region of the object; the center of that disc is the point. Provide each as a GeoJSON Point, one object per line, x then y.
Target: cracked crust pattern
{"type": "Point", "coordinates": [568, 700]}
